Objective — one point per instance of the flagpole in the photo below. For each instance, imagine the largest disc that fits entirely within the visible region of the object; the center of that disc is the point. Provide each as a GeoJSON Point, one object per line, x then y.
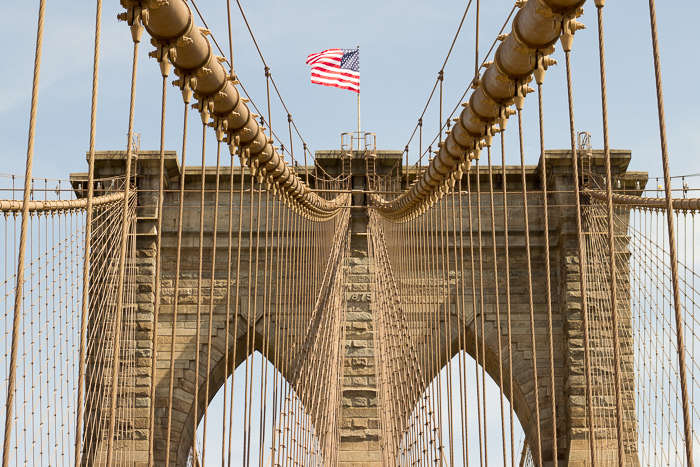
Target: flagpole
{"type": "Point", "coordinates": [358, 105]}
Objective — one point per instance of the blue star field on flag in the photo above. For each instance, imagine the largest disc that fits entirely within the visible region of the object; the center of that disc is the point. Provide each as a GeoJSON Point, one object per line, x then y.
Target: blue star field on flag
{"type": "Point", "coordinates": [350, 60]}
{"type": "Point", "coordinates": [336, 67]}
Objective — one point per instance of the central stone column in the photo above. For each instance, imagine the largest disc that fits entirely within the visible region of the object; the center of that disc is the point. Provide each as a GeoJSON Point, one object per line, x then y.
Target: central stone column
{"type": "Point", "coordinates": [360, 430]}
{"type": "Point", "coordinates": [359, 434]}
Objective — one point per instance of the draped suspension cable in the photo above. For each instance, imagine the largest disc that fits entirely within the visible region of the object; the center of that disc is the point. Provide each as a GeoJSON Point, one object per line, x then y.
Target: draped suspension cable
{"type": "Point", "coordinates": [581, 258]}
{"type": "Point", "coordinates": [178, 258]}
{"type": "Point", "coordinates": [506, 247]}
{"type": "Point", "coordinates": [122, 256]}
{"type": "Point", "coordinates": [420, 316]}
{"type": "Point", "coordinates": [497, 301]}
{"type": "Point", "coordinates": [88, 233]}
{"type": "Point", "coordinates": [611, 242]}
{"type": "Point", "coordinates": [9, 405]}
{"type": "Point", "coordinates": [157, 287]}
{"type": "Point", "coordinates": [526, 220]}
{"type": "Point", "coordinates": [547, 272]}
{"type": "Point", "coordinates": [671, 236]}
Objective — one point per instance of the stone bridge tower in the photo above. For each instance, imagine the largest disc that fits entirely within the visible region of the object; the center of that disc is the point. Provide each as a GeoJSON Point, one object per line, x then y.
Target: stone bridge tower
{"type": "Point", "coordinates": [360, 430]}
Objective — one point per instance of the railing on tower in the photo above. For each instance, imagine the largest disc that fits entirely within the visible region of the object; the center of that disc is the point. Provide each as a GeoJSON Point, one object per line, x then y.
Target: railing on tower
{"type": "Point", "coordinates": [358, 141]}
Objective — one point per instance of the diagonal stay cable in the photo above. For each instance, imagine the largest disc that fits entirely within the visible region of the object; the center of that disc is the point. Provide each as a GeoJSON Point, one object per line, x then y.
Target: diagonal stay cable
{"type": "Point", "coordinates": [272, 79]}
{"type": "Point", "coordinates": [442, 69]}
{"type": "Point", "coordinates": [262, 58]}
{"type": "Point", "coordinates": [248, 96]}
{"type": "Point", "coordinates": [461, 99]}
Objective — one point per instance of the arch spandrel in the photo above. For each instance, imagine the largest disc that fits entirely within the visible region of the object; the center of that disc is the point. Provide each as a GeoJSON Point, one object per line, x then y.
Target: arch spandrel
{"type": "Point", "coordinates": [260, 338]}
{"type": "Point", "coordinates": [465, 338]}
{"type": "Point", "coordinates": [563, 300]}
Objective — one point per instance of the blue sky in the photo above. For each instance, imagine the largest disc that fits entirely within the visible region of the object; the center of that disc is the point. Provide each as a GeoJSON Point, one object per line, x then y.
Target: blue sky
{"type": "Point", "coordinates": [403, 45]}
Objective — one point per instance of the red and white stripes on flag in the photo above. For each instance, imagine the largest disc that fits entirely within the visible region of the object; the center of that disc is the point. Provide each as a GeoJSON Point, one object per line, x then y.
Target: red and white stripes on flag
{"type": "Point", "coordinates": [336, 67]}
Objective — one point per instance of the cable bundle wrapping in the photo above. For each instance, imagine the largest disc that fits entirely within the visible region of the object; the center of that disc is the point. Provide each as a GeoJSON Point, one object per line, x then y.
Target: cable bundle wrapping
{"type": "Point", "coordinates": [536, 28]}
{"type": "Point", "coordinates": [200, 72]}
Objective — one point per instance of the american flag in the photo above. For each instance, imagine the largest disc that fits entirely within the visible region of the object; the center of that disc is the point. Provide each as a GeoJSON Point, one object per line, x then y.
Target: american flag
{"type": "Point", "coordinates": [336, 67]}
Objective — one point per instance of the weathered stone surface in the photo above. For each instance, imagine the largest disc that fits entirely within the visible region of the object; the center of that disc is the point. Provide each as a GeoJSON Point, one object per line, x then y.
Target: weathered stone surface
{"type": "Point", "coordinates": [360, 427]}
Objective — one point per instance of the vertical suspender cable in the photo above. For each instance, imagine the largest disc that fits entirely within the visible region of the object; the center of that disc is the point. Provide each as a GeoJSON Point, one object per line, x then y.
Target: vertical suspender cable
{"type": "Point", "coordinates": [538, 442]}
{"type": "Point", "coordinates": [267, 318]}
{"type": "Point", "coordinates": [548, 278]}
{"type": "Point", "coordinates": [156, 300]}
{"type": "Point", "coordinates": [437, 211]}
{"type": "Point", "coordinates": [482, 310]}
{"type": "Point", "coordinates": [255, 310]}
{"type": "Point", "coordinates": [680, 340]}
{"type": "Point", "coordinates": [227, 312]}
{"type": "Point", "coordinates": [228, 276]}
{"type": "Point", "coordinates": [178, 257]}
{"type": "Point", "coordinates": [236, 301]}
{"type": "Point", "coordinates": [291, 148]}
{"type": "Point", "coordinates": [448, 331]}
{"type": "Point", "coordinates": [406, 169]}
{"type": "Point", "coordinates": [581, 263]}
{"type": "Point", "coordinates": [441, 77]}
{"type": "Point", "coordinates": [23, 240]}
{"type": "Point", "coordinates": [476, 41]}
{"type": "Point", "coordinates": [420, 145]}
{"type": "Point", "coordinates": [474, 321]}
{"type": "Point", "coordinates": [279, 228]}
{"type": "Point", "coordinates": [248, 365]}
{"type": "Point", "coordinates": [122, 263]}
{"type": "Point", "coordinates": [215, 228]}
{"type": "Point", "coordinates": [263, 353]}
{"type": "Point", "coordinates": [283, 252]}
{"type": "Point", "coordinates": [506, 248]}
{"type": "Point", "coordinates": [269, 111]}
{"type": "Point", "coordinates": [230, 36]}
{"type": "Point", "coordinates": [88, 237]}
{"type": "Point", "coordinates": [461, 286]}
{"type": "Point", "coordinates": [497, 303]}
{"type": "Point", "coordinates": [611, 245]}
{"type": "Point", "coordinates": [198, 322]}
{"type": "Point", "coordinates": [459, 311]}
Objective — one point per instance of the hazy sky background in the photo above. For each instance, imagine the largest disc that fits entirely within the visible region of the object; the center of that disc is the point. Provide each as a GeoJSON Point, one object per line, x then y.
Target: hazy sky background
{"type": "Point", "coordinates": [403, 44]}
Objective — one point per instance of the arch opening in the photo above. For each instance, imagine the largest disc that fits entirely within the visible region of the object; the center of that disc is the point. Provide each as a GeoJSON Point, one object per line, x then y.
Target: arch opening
{"type": "Point", "coordinates": [256, 418]}
{"type": "Point", "coordinates": [467, 417]}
